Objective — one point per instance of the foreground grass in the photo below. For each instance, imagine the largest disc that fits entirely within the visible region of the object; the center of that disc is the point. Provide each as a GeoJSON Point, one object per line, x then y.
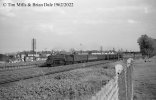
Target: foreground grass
{"type": "Point", "coordinates": [145, 79]}
{"type": "Point", "coordinates": [79, 84]}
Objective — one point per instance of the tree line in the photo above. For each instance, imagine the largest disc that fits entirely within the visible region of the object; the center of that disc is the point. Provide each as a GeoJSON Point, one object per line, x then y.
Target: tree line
{"type": "Point", "coordinates": [147, 45]}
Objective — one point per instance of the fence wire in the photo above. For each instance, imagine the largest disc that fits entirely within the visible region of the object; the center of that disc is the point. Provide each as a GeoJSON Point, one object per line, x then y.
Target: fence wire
{"type": "Point", "coordinates": [120, 87]}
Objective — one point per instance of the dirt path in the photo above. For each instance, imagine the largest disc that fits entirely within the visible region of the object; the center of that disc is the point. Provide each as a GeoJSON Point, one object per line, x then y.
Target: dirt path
{"type": "Point", "coordinates": [145, 80]}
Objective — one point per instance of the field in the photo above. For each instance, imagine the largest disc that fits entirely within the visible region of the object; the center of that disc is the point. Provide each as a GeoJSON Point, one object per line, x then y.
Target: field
{"type": "Point", "coordinates": [78, 84]}
{"type": "Point", "coordinates": [145, 80]}
{"type": "Point", "coordinates": [18, 74]}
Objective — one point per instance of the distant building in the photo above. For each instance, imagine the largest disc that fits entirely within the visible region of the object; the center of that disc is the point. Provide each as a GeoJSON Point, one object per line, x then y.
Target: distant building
{"type": "Point", "coordinates": [28, 58]}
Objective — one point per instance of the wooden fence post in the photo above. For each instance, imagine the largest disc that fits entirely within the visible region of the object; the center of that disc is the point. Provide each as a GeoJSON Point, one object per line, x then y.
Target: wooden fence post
{"type": "Point", "coordinates": [118, 70]}
{"type": "Point", "coordinates": [129, 79]}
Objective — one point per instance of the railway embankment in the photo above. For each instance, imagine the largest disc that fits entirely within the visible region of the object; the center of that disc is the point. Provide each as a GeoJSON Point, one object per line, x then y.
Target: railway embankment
{"type": "Point", "coordinates": [22, 74]}
{"type": "Point", "coordinates": [77, 84]}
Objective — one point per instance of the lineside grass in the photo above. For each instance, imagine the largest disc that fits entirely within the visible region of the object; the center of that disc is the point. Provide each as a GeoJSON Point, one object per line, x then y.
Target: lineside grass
{"type": "Point", "coordinates": [78, 84]}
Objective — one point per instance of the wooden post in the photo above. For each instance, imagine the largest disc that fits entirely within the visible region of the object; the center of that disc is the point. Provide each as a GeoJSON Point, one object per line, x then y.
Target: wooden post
{"type": "Point", "coordinates": [130, 69]}
{"type": "Point", "coordinates": [118, 70]}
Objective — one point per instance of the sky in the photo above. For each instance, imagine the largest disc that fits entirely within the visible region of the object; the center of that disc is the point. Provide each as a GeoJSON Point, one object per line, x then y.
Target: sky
{"type": "Point", "coordinates": [88, 25]}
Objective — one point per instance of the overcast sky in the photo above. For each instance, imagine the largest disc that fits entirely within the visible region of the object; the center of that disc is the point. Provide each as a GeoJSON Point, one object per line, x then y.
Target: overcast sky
{"type": "Point", "coordinates": [92, 23]}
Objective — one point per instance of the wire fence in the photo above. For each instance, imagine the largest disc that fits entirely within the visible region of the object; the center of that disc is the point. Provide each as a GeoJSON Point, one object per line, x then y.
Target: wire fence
{"type": "Point", "coordinates": [121, 86]}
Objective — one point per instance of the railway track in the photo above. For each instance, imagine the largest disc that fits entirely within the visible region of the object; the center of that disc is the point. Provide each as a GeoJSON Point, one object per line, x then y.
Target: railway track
{"type": "Point", "coordinates": [50, 70]}
{"type": "Point", "coordinates": [6, 67]}
{"type": "Point", "coordinates": [16, 67]}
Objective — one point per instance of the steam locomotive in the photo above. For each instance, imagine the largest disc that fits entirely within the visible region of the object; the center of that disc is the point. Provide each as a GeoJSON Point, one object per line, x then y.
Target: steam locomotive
{"type": "Point", "coordinates": [65, 59]}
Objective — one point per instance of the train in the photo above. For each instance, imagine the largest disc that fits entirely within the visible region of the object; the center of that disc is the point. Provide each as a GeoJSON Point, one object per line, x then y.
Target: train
{"type": "Point", "coordinates": [65, 59]}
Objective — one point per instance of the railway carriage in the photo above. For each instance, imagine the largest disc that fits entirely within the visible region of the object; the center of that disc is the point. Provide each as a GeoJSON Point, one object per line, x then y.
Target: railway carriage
{"type": "Point", "coordinates": [101, 57]}
{"type": "Point", "coordinates": [80, 58]}
{"type": "Point", "coordinates": [92, 57]}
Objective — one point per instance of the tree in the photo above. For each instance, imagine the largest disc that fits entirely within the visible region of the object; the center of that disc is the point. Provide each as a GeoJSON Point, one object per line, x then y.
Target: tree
{"type": "Point", "coordinates": [146, 45]}
{"type": "Point", "coordinates": [72, 50]}
{"type": "Point", "coordinates": [4, 58]}
{"type": "Point", "coordinates": [154, 43]}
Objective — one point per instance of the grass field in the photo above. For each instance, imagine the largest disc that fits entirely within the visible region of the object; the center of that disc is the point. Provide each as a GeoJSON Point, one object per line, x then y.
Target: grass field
{"type": "Point", "coordinates": [40, 71]}
{"type": "Point", "coordinates": [78, 84]}
{"type": "Point", "coordinates": [145, 80]}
